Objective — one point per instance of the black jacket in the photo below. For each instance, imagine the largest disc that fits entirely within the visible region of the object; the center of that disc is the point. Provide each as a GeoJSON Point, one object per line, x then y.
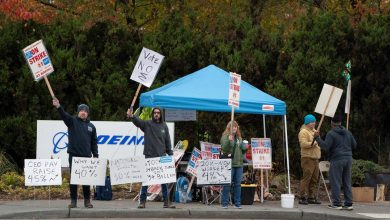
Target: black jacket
{"type": "Point", "coordinates": [81, 134]}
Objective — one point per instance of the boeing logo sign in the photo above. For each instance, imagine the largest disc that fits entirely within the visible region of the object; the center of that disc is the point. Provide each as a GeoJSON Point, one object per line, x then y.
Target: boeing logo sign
{"type": "Point", "coordinates": [60, 140]}
{"type": "Point", "coordinates": [114, 139]}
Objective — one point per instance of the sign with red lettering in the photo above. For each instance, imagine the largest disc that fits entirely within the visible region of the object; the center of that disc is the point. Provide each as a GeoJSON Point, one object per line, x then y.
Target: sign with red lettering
{"type": "Point", "coordinates": [38, 60]}
{"type": "Point", "coordinates": [209, 150]}
{"type": "Point", "coordinates": [193, 163]}
{"type": "Point", "coordinates": [234, 90]}
{"type": "Point", "coordinates": [147, 66]}
{"type": "Point", "coordinates": [261, 153]}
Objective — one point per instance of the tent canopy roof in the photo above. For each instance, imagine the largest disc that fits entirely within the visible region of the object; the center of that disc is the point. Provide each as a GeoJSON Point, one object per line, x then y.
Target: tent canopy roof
{"type": "Point", "coordinates": [207, 90]}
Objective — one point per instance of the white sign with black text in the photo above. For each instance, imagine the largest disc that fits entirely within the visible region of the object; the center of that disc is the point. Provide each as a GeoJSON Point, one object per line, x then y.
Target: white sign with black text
{"type": "Point", "coordinates": [42, 172]}
{"type": "Point", "coordinates": [214, 172]}
{"type": "Point", "coordinates": [147, 66]}
{"type": "Point", "coordinates": [127, 170]}
{"type": "Point", "coordinates": [160, 170]}
{"type": "Point", "coordinates": [88, 171]}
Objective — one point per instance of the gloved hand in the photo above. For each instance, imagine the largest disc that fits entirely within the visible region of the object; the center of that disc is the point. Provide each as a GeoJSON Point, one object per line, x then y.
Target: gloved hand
{"type": "Point", "coordinates": [96, 156]}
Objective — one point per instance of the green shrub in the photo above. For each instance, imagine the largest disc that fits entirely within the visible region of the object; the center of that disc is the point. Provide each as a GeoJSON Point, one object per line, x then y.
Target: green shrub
{"type": "Point", "coordinates": [359, 167]}
{"type": "Point", "coordinates": [5, 164]}
{"type": "Point", "coordinates": [12, 179]}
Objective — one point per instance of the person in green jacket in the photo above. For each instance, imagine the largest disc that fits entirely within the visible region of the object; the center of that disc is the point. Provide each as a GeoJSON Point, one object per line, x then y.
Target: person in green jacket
{"type": "Point", "coordinates": [232, 147]}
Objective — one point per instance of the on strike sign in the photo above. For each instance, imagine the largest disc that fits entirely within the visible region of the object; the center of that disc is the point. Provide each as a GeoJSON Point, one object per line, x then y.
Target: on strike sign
{"type": "Point", "coordinates": [38, 60]}
{"type": "Point", "coordinates": [234, 90]}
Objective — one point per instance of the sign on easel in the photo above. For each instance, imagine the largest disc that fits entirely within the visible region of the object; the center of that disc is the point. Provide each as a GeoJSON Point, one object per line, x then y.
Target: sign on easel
{"type": "Point", "coordinates": [214, 172]}
{"type": "Point", "coordinates": [42, 172]}
{"type": "Point", "coordinates": [329, 100]}
{"type": "Point", "coordinates": [127, 170]}
{"type": "Point", "coordinates": [193, 162]}
{"type": "Point", "coordinates": [160, 170]}
{"type": "Point", "coordinates": [38, 60]}
{"type": "Point", "coordinates": [147, 66]}
{"type": "Point", "coordinates": [88, 171]}
{"type": "Point", "coordinates": [261, 153]}
{"type": "Point", "coordinates": [234, 90]}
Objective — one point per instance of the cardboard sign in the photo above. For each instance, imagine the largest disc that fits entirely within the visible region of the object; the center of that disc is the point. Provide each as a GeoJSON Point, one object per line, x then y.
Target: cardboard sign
{"type": "Point", "coordinates": [210, 150]}
{"type": "Point", "coordinates": [234, 90]}
{"type": "Point", "coordinates": [147, 66]}
{"type": "Point", "coordinates": [193, 162]}
{"type": "Point", "coordinates": [214, 172]}
{"type": "Point", "coordinates": [42, 172]}
{"type": "Point", "coordinates": [328, 101]}
{"type": "Point", "coordinates": [261, 153]}
{"type": "Point", "coordinates": [38, 60]}
{"type": "Point", "coordinates": [88, 171]}
{"type": "Point", "coordinates": [160, 170]}
{"type": "Point", "coordinates": [127, 170]}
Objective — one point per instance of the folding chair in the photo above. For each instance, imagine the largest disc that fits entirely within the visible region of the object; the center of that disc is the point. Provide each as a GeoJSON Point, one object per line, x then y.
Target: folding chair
{"type": "Point", "coordinates": [324, 167]}
{"type": "Point", "coordinates": [215, 193]}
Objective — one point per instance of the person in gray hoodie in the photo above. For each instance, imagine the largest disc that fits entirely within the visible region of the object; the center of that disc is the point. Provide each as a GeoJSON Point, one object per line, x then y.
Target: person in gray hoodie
{"type": "Point", "coordinates": [339, 143]}
{"type": "Point", "coordinates": [157, 144]}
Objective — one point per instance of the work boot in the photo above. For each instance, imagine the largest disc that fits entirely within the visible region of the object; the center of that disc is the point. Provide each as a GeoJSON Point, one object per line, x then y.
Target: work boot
{"type": "Point", "coordinates": [168, 205]}
{"type": "Point", "coordinates": [141, 205]}
{"type": "Point", "coordinates": [73, 204]}
{"type": "Point", "coordinates": [303, 201]}
{"type": "Point", "coordinates": [87, 204]}
{"type": "Point", "coordinates": [313, 201]}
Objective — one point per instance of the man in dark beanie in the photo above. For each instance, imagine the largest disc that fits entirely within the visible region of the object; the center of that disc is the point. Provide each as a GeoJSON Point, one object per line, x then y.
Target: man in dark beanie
{"type": "Point", "coordinates": [157, 144]}
{"type": "Point", "coordinates": [82, 143]}
{"type": "Point", "coordinates": [339, 143]}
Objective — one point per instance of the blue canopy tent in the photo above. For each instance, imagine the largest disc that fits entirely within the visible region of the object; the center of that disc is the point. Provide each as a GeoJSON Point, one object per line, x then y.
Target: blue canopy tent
{"type": "Point", "coordinates": [207, 90]}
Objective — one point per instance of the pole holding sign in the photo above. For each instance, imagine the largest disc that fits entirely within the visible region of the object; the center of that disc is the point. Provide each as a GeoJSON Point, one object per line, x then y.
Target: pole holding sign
{"type": "Point", "coordinates": [145, 70]}
{"type": "Point", "coordinates": [39, 62]}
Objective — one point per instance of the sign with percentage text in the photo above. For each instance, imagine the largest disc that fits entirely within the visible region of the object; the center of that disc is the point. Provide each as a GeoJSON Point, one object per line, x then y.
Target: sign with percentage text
{"type": "Point", "coordinates": [42, 172]}
{"type": "Point", "coordinates": [127, 170]}
{"type": "Point", "coordinates": [88, 171]}
{"type": "Point", "coordinates": [214, 172]}
{"type": "Point", "coordinates": [160, 170]}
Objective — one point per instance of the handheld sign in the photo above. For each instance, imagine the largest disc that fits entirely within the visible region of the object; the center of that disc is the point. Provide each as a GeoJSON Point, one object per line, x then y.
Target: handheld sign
{"type": "Point", "coordinates": [328, 102]}
{"type": "Point", "coordinates": [193, 162]}
{"type": "Point", "coordinates": [88, 171]}
{"type": "Point", "coordinates": [234, 90]}
{"type": "Point", "coordinates": [261, 153]}
{"type": "Point", "coordinates": [214, 172]}
{"type": "Point", "coordinates": [39, 62]}
{"type": "Point", "coordinates": [127, 170]}
{"type": "Point", "coordinates": [160, 170]}
{"type": "Point", "coordinates": [145, 70]}
{"type": "Point", "coordinates": [42, 172]}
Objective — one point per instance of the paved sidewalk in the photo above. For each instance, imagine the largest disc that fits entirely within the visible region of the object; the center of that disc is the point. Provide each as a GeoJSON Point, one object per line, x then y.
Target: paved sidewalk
{"type": "Point", "coordinates": [45, 209]}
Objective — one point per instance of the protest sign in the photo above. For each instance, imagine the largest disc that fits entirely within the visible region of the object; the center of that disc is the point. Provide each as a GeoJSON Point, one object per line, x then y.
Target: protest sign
{"type": "Point", "coordinates": [193, 162]}
{"type": "Point", "coordinates": [214, 172]}
{"type": "Point", "coordinates": [38, 60]}
{"type": "Point", "coordinates": [127, 170]}
{"type": "Point", "coordinates": [147, 66]}
{"type": "Point", "coordinates": [160, 170]}
{"type": "Point", "coordinates": [209, 150]}
{"type": "Point", "coordinates": [42, 172]}
{"type": "Point", "coordinates": [261, 153]}
{"type": "Point", "coordinates": [329, 100]}
{"type": "Point", "coordinates": [234, 90]}
{"type": "Point", "coordinates": [88, 171]}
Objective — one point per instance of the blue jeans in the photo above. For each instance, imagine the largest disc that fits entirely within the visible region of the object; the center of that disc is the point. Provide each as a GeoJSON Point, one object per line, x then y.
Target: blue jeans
{"type": "Point", "coordinates": [144, 189]}
{"type": "Point", "coordinates": [236, 184]}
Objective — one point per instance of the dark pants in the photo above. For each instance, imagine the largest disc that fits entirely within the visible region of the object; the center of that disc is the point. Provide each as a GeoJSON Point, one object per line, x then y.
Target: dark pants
{"type": "Point", "coordinates": [340, 172]}
{"type": "Point", "coordinates": [73, 188]}
{"type": "Point", "coordinates": [310, 177]}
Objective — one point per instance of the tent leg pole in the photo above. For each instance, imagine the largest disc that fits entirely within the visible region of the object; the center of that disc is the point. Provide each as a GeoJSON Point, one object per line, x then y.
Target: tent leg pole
{"type": "Point", "coordinates": [287, 157]}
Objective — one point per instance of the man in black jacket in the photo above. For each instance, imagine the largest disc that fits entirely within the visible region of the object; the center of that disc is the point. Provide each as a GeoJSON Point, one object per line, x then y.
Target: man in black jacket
{"type": "Point", "coordinates": [338, 144]}
{"type": "Point", "coordinates": [157, 144]}
{"type": "Point", "coordinates": [82, 143]}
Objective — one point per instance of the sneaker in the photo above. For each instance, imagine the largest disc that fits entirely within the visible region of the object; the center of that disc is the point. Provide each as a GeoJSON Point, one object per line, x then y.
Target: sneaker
{"type": "Point", "coordinates": [338, 207]}
{"type": "Point", "coordinates": [237, 207]}
{"type": "Point", "coordinates": [224, 207]}
{"type": "Point", "coordinates": [313, 201]}
{"type": "Point", "coordinates": [347, 207]}
{"type": "Point", "coordinates": [303, 201]}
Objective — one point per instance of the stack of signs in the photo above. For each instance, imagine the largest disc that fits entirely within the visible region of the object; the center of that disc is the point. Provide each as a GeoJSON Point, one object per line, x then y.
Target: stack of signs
{"type": "Point", "coordinates": [210, 150]}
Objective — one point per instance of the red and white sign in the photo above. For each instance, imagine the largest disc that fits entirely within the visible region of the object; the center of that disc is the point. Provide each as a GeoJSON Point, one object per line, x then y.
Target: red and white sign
{"type": "Point", "coordinates": [209, 150]}
{"type": "Point", "coordinates": [234, 89]}
{"type": "Point", "coordinates": [193, 163]}
{"type": "Point", "coordinates": [38, 60]}
{"type": "Point", "coordinates": [261, 153]}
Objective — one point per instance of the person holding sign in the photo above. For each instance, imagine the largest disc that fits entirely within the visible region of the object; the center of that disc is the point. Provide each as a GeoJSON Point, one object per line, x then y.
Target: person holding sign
{"type": "Point", "coordinates": [310, 155]}
{"type": "Point", "coordinates": [82, 143]}
{"type": "Point", "coordinates": [339, 143]}
{"type": "Point", "coordinates": [157, 144]}
{"type": "Point", "coordinates": [233, 147]}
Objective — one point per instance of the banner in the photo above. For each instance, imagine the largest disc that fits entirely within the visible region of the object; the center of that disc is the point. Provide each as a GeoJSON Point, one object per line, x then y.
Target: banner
{"type": "Point", "coordinates": [88, 171]}
{"type": "Point", "coordinates": [234, 90]}
{"type": "Point", "coordinates": [38, 60]}
{"type": "Point", "coordinates": [42, 172]}
{"type": "Point", "coordinates": [180, 115]}
{"type": "Point", "coordinates": [214, 172]}
{"type": "Point", "coordinates": [160, 170]}
{"type": "Point", "coordinates": [210, 150]}
{"type": "Point", "coordinates": [193, 162]}
{"type": "Point", "coordinates": [115, 140]}
{"type": "Point", "coordinates": [127, 170]}
{"type": "Point", "coordinates": [261, 153]}
{"type": "Point", "coordinates": [147, 66]}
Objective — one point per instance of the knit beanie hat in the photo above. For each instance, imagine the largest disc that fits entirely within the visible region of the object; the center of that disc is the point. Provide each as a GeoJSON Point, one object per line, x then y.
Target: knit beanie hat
{"type": "Point", "coordinates": [337, 118]}
{"type": "Point", "coordinates": [83, 107]}
{"type": "Point", "coordinates": [309, 119]}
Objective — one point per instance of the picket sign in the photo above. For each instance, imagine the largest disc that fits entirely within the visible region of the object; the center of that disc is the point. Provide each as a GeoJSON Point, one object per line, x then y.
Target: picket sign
{"type": "Point", "coordinates": [127, 170]}
{"type": "Point", "coordinates": [88, 171]}
{"type": "Point", "coordinates": [42, 172]}
{"type": "Point", "coordinates": [214, 172]}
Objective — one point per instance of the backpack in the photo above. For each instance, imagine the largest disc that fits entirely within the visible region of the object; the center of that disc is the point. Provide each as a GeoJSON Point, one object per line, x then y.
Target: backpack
{"type": "Point", "coordinates": [181, 190]}
{"type": "Point", "coordinates": [104, 192]}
